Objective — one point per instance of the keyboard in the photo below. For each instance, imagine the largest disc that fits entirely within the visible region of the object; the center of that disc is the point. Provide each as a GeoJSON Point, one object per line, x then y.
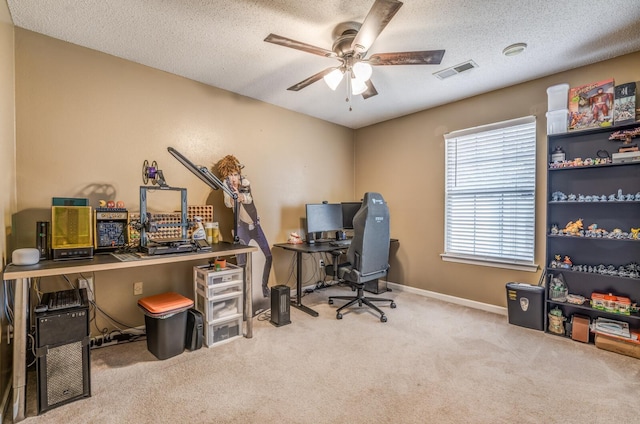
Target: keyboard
{"type": "Point", "coordinates": [64, 299]}
{"type": "Point", "coordinates": [341, 243]}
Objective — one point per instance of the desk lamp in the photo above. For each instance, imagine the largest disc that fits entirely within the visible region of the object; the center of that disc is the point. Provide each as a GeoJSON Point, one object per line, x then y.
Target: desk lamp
{"type": "Point", "coordinates": [212, 181]}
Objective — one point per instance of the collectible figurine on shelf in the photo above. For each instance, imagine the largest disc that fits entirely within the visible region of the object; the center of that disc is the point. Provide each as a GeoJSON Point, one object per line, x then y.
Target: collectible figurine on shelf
{"type": "Point", "coordinates": [573, 228]}
{"type": "Point", "coordinates": [558, 289]}
{"type": "Point", "coordinates": [556, 321]}
{"type": "Point", "coordinates": [199, 233]}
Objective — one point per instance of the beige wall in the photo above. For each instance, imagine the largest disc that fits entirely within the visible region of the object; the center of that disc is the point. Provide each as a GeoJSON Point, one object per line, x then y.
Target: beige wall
{"type": "Point", "coordinates": [404, 160]}
{"type": "Point", "coordinates": [7, 128]}
{"type": "Point", "coordinates": [7, 164]}
{"type": "Point", "coordinates": [86, 121]}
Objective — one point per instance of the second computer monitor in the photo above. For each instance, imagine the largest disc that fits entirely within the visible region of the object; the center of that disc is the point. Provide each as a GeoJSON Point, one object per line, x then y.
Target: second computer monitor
{"type": "Point", "coordinates": [349, 210]}
{"type": "Point", "coordinates": [323, 217]}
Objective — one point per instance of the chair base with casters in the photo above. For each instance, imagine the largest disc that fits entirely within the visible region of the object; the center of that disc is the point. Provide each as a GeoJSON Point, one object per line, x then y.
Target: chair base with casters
{"type": "Point", "coordinates": [361, 299]}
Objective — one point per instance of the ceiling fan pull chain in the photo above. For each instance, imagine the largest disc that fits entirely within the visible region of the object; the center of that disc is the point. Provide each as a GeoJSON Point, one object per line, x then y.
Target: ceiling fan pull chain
{"type": "Point", "coordinates": [348, 98]}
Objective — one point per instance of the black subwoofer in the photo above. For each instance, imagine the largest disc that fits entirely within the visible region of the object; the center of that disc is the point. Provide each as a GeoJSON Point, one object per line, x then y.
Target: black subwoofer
{"type": "Point", "coordinates": [280, 305]}
{"type": "Point", "coordinates": [63, 355]}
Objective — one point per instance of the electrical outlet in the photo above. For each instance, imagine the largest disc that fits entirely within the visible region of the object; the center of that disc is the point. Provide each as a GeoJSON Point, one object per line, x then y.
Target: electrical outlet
{"type": "Point", "coordinates": [321, 263]}
{"type": "Point", "coordinates": [87, 283]}
{"type": "Point", "coordinates": [137, 288]}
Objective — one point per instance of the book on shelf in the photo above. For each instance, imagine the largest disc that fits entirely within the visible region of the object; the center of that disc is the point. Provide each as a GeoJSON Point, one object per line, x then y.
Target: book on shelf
{"type": "Point", "coordinates": [626, 103]}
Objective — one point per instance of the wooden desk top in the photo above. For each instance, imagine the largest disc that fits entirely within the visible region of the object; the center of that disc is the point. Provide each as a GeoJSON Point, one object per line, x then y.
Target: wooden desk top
{"type": "Point", "coordinates": [106, 261]}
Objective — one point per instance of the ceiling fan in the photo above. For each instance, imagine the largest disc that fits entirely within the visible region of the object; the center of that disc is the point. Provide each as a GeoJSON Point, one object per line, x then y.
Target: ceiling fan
{"type": "Point", "coordinates": [352, 41]}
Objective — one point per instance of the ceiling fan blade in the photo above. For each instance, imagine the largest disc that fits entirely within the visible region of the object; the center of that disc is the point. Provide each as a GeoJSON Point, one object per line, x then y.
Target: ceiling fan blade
{"type": "Point", "coordinates": [377, 19]}
{"type": "Point", "coordinates": [287, 42]}
{"type": "Point", "coordinates": [313, 78]}
{"type": "Point", "coordinates": [370, 91]}
{"type": "Point", "coordinates": [427, 57]}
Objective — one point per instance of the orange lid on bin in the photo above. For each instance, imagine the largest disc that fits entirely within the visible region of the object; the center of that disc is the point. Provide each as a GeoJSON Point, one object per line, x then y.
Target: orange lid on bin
{"type": "Point", "coordinates": [165, 302]}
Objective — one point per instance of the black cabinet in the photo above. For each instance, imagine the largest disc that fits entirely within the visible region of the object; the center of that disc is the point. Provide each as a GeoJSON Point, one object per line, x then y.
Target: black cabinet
{"type": "Point", "coordinates": [601, 252]}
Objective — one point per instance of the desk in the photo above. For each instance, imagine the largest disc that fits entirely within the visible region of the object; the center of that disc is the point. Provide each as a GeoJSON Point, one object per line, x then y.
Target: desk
{"type": "Point", "coordinates": [103, 262]}
{"type": "Point", "coordinates": [300, 249]}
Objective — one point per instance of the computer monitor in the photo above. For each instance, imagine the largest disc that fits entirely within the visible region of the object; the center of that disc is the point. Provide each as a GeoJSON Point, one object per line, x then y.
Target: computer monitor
{"type": "Point", "coordinates": [323, 217]}
{"type": "Point", "coordinates": [349, 210]}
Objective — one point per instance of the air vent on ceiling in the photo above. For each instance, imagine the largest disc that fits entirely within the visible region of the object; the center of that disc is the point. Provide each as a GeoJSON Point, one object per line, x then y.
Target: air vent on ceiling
{"type": "Point", "coordinates": [455, 70]}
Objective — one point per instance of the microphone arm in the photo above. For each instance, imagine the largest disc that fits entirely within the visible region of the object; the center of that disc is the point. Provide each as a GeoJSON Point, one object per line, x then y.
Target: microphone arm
{"type": "Point", "coordinates": [212, 181]}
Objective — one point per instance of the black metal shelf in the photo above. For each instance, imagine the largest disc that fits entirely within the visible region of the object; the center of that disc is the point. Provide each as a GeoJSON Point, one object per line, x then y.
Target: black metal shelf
{"type": "Point", "coordinates": [595, 274]}
{"type": "Point", "coordinates": [602, 165]}
{"type": "Point", "coordinates": [595, 131]}
{"type": "Point", "coordinates": [583, 203]}
{"type": "Point", "coordinates": [599, 239]}
{"type": "Point", "coordinates": [586, 307]}
{"type": "Point", "coordinates": [593, 180]}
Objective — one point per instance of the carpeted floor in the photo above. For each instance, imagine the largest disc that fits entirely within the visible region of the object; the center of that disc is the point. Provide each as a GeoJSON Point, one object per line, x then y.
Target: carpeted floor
{"type": "Point", "coordinates": [432, 362]}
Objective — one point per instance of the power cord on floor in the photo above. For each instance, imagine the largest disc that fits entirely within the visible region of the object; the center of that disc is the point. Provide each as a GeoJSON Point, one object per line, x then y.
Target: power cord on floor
{"type": "Point", "coordinates": [265, 316]}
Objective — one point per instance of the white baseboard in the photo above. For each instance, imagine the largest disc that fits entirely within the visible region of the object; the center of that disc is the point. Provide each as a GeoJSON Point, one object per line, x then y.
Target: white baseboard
{"type": "Point", "coordinates": [500, 310]}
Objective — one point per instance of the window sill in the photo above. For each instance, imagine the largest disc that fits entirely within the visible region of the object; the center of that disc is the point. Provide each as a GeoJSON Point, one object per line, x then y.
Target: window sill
{"type": "Point", "coordinates": [489, 262]}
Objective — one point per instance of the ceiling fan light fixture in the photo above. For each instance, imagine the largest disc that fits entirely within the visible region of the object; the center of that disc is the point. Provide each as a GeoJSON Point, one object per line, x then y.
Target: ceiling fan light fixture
{"type": "Point", "coordinates": [333, 78]}
{"type": "Point", "coordinates": [362, 71]}
{"type": "Point", "coordinates": [358, 86]}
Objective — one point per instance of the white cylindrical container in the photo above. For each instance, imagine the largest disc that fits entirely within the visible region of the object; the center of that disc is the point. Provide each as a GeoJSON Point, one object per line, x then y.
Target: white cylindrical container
{"type": "Point", "coordinates": [557, 121]}
{"type": "Point", "coordinates": [557, 97]}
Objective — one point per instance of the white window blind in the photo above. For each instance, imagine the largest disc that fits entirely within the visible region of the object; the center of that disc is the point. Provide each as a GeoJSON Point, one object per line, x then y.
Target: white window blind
{"type": "Point", "coordinates": [490, 193]}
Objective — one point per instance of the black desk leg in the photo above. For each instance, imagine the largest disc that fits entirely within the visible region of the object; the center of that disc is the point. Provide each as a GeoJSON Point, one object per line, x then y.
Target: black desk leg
{"type": "Point", "coordinates": [297, 303]}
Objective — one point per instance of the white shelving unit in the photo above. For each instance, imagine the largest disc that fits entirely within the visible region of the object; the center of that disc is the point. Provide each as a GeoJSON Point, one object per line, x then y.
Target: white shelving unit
{"type": "Point", "coordinates": [218, 295]}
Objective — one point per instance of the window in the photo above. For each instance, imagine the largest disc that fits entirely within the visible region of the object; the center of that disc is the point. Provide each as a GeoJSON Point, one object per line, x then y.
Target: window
{"type": "Point", "coordinates": [490, 194]}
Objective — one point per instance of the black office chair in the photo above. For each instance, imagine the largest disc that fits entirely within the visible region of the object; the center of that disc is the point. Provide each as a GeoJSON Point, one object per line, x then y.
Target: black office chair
{"type": "Point", "coordinates": [368, 254]}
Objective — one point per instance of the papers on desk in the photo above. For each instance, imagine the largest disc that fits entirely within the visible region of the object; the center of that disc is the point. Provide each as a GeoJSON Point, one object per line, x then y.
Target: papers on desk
{"type": "Point", "coordinates": [126, 257]}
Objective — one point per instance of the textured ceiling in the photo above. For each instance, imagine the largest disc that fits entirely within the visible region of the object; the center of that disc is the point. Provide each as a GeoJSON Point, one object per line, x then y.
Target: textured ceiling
{"type": "Point", "coordinates": [220, 43]}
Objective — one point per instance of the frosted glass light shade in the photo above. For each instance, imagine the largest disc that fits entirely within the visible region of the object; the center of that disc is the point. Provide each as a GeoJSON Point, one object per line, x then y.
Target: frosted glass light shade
{"type": "Point", "coordinates": [333, 78]}
{"type": "Point", "coordinates": [358, 86]}
{"type": "Point", "coordinates": [362, 71]}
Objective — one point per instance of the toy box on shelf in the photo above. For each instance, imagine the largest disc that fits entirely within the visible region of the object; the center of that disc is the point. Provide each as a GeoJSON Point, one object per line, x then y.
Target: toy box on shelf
{"type": "Point", "coordinates": [611, 303]}
{"type": "Point", "coordinates": [626, 104]}
{"type": "Point", "coordinates": [591, 105]}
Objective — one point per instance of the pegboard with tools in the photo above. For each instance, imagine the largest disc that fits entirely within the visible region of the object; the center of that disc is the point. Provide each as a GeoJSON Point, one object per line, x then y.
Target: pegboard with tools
{"type": "Point", "coordinates": [203, 211]}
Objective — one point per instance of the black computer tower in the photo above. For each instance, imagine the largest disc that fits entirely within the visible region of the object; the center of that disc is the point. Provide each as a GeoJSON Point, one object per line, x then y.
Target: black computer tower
{"type": "Point", "coordinates": [62, 351]}
{"type": "Point", "coordinates": [280, 305]}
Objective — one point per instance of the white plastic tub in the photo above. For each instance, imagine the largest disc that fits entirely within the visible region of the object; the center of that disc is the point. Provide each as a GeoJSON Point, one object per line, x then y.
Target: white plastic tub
{"type": "Point", "coordinates": [557, 97]}
{"type": "Point", "coordinates": [557, 121]}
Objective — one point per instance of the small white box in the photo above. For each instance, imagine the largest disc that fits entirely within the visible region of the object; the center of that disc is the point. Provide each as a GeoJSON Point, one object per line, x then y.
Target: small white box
{"type": "Point", "coordinates": [557, 121]}
{"type": "Point", "coordinates": [625, 157]}
{"type": "Point", "coordinates": [557, 97]}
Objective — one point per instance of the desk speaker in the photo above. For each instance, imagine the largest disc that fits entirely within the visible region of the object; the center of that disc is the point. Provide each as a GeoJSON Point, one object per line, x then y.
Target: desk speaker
{"type": "Point", "coordinates": [62, 350]}
{"type": "Point", "coordinates": [280, 305]}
